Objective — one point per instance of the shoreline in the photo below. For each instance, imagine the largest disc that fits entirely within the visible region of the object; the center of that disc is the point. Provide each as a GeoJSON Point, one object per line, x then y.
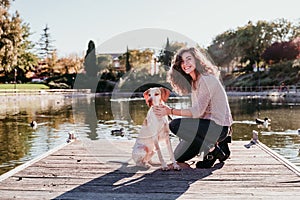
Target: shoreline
{"type": "Point", "coordinates": [42, 91]}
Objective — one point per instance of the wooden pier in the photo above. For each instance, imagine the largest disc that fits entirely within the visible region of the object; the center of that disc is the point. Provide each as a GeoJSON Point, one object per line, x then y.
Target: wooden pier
{"type": "Point", "coordinates": [100, 170]}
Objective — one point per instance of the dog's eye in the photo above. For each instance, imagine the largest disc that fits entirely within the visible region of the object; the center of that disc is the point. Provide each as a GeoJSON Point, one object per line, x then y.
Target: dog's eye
{"type": "Point", "coordinates": [156, 94]}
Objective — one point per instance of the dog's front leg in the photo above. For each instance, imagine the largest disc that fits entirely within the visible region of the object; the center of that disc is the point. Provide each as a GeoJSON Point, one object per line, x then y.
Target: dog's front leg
{"type": "Point", "coordinates": [148, 157]}
{"type": "Point", "coordinates": [164, 166]}
{"type": "Point", "coordinates": [169, 146]}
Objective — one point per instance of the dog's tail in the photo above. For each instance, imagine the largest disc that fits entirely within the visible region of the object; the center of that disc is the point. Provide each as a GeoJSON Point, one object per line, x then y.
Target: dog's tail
{"type": "Point", "coordinates": [122, 162]}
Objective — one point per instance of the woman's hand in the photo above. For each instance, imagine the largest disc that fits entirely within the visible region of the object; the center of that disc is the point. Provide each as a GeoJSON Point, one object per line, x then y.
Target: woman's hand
{"type": "Point", "coordinates": [161, 110]}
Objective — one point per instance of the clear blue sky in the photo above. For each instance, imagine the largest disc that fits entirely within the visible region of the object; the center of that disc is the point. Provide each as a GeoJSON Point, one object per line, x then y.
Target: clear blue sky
{"type": "Point", "coordinates": [73, 23]}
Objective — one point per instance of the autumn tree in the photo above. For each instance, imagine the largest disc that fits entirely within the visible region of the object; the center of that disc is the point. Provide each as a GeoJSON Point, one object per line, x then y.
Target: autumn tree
{"type": "Point", "coordinates": [10, 37]}
{"type": "Point", "coordinates": [5, 3]}
{"type": "Point", "coordinates": [71, 64]}
{"type": "Point", "coordinates": [14, 44]}
{"type": "Point", "coordinates": [280, 51]}
{"type": "Point", "coordinates": [136, 58]}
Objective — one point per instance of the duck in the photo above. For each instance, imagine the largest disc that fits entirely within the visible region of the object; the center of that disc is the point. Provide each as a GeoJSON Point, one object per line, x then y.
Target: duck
{"type": "Point", "coordinates": [118, 132]}
{"type": "Point", "coordinates": [254, 139]}
{"type": "Point", "coordinates": [71, 137]}
{"type": "Point", "coordinates": [265, 122]}
{"type": "Point", "coordinates": [33, 124]}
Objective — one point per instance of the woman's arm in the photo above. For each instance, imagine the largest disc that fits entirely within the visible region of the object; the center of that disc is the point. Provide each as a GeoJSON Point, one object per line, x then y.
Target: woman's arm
{"type": "Point", "coordinates": [180, 112]}
{"type": "Point", "coordinates": [161, 111]}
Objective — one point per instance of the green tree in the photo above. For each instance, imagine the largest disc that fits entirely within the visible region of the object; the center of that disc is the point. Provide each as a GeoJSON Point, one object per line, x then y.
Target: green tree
{"type": "Point", "coordinates": [283, 30]}
{"type": "Point", "coordinates": [26, 60]}
{"type": "Point", "coordinates": [47, 52]}
{"type": "Point", "coordinates": [104, 61]}
{"type": "Point", "coordinates": [251, 41]}
{"type": "Point", "coordinates": [127, 63]}
{"type": "Point", "coordinates": [222, 48]}
{"type": "Point", "coordinates": [296, 28]}
{"type": "Point", "coordinates": [45, 44]}
{"type": "Point", "coordinates": [90, 63]}
{"type": "Point", "coordinates": [166, 55]}
{"type": "Point", "coordinates": [247, 43]}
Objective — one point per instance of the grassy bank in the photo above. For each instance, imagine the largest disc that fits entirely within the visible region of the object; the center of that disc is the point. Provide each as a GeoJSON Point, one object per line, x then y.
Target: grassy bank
{"type": "Point", "coordinates": [287, 72]}
{"type": "Point", "coordinates": [24, 86]}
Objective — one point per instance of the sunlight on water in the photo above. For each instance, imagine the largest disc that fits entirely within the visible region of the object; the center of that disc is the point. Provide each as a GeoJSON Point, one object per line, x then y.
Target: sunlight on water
{"type": "Point", "coordinates": [244, 122]}
{"type": "Point", "coordinates": [286, 132]}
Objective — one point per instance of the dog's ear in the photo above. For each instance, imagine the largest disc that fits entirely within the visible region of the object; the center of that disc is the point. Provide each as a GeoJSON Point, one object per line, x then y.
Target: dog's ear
{"type": "Point", "coordinates": [165, 93]}
{"type": "Point", "coordinates": [146, 96]}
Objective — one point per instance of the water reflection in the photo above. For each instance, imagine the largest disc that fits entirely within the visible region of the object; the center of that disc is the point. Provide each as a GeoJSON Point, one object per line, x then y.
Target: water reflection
{"type": "Point", "coordinates": [94, 118]}
{"type": "Point", "coordinates": [19, 142]}
{"type": "Point", "coordinates": [282, 135]}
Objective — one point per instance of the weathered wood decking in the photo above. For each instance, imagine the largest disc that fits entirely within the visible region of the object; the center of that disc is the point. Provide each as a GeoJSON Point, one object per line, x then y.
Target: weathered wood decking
{"type": "Point", "coordinates": [99, 170]}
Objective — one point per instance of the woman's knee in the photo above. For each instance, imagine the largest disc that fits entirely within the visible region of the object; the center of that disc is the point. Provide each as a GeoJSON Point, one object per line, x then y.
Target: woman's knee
{"type": "Point", "coordinates": [174, 125]}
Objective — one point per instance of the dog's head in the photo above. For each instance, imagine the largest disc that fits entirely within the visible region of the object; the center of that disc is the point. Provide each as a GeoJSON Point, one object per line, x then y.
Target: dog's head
{"type": "Point", "coordinates": [156, 95]}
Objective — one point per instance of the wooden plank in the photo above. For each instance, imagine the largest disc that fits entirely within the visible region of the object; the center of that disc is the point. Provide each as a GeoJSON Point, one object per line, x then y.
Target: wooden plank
{"type": "Point", "coordinates": [27, 164]}
{"type": "Point", "coordinates": [102, 170]}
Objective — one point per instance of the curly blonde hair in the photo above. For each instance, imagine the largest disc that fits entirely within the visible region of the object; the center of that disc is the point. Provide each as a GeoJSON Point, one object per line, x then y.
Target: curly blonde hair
{"type": "Point", "coordinates": [181, 82]}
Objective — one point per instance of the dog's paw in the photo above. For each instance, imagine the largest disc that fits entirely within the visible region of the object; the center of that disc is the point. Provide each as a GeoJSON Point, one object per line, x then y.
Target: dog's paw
{"type": "Point", "coordinates": [176, 167]}
{"type": "Point", "coordinates": [165, 167]}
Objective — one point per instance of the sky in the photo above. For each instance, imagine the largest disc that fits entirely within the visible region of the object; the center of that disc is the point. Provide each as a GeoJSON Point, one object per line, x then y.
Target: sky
{"type": "Point", "coordinates": [73, 23]}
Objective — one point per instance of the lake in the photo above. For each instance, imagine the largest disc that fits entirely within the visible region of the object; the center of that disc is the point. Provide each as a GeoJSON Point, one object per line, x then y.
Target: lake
{"type": "Point", "coordinates": [93, 118]}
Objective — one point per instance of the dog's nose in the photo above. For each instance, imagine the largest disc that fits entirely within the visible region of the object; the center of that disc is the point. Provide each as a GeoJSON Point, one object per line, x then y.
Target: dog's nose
{"type": "Point", "coordinates": [150, 101]}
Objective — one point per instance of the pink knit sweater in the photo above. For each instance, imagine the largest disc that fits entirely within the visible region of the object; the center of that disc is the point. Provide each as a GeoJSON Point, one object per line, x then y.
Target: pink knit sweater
{"type": "Point", "coordinates": [209, 101]}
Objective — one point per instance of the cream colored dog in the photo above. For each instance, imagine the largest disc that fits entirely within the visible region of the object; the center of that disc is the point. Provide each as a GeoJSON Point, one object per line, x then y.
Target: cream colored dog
{"type": "Point", "coordinates": [153, 131]}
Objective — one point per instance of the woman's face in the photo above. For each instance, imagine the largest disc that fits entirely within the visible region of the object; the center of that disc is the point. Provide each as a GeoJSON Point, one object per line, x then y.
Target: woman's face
{"type": "Point", "coordinates": [188, 64]}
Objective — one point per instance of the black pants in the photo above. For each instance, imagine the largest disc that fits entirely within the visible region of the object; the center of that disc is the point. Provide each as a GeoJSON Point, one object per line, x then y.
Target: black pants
{"type": "Point", "coordinates": [198, 135]}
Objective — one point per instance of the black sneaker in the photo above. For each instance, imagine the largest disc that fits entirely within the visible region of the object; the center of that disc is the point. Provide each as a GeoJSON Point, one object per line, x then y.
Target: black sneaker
{"type": "Point", "coordinates": [207, 162]}
{"type": "Point", "coordinates": [225, 148]}
{"type": "Point", "coordinates": [210, 159]}
{"type": "Point", "coordinates": [220, 152]}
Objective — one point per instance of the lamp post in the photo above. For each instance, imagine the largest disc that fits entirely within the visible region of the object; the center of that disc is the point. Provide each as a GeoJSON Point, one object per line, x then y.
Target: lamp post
{"type": "Point", "coordinates": [258, 71]}
{"type": "Point", "coordinates": [15, 78]}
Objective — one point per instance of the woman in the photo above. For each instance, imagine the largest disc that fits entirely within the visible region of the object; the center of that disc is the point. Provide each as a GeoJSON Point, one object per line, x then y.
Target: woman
{"type": "Point", "coordinates": [207, 122]}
